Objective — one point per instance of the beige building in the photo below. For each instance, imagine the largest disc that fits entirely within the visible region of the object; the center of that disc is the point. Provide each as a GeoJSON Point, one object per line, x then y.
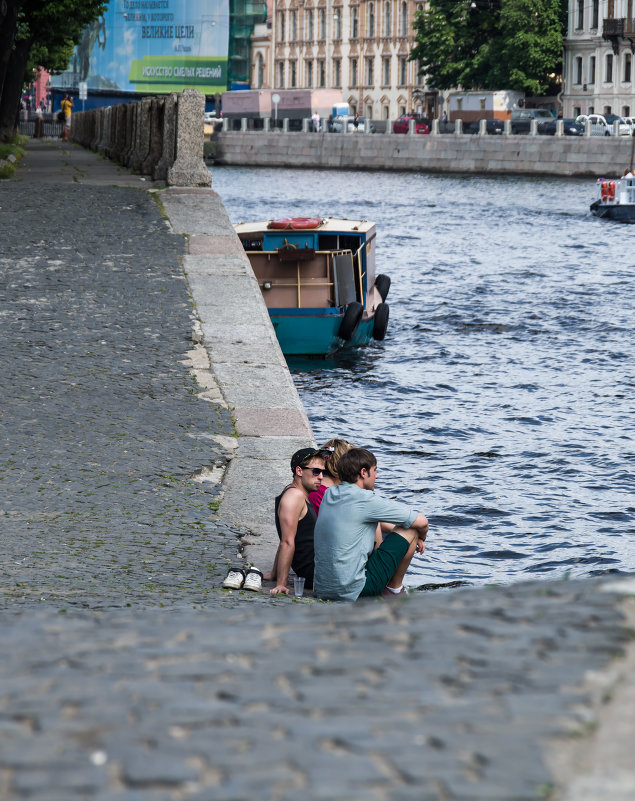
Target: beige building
{"type": "Point", "coordinates": [358, 46]}
{"type": "Point", "coordinates": [598, 69]}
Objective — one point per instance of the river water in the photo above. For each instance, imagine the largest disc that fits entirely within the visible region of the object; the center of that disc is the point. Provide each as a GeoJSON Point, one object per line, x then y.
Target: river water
{"type": "Point", "coordinates": [501, 402]}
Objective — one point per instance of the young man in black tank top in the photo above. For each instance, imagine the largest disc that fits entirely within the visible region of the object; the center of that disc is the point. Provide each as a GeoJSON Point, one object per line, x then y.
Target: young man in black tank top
{"type": "Point", "coordinates": [295, 521]}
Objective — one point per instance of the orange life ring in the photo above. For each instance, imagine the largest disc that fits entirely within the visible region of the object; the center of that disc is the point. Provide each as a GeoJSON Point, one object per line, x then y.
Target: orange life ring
{"type": "Point", "coordinates": [295, 224]}
{"type": "Point", "coordinates": [604, 191]}
{"type": "Point", "coordinates": [611, 190]}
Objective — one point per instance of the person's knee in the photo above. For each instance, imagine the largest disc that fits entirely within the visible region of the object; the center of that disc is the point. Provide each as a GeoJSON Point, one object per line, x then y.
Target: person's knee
{"type": "Point", "coordinates": [408, 534]}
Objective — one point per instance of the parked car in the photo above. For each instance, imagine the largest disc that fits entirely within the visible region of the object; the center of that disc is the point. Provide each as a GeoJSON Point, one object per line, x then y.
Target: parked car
{"type": "Point", "coordinates": [522, 117]}
{"type": "Point", "coordinates": [603, 125]}
{"type": "Point", "coordinates": [570, 128]}
{"type": "Point", "coordinates": [493, 127]}
{"type": "Point", "coordinates": [402, 124]}
{"type": "Point", "coordinates": [631, 124]}
{"type": "Point", "coordinates": [338, 123]}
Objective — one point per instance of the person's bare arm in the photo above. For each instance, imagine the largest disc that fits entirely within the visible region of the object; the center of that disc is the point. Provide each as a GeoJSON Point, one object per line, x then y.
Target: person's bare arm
{"type": "Point", "coordinates": [289, 511]}
{"type": "Point", "coordinates": [420, 525]}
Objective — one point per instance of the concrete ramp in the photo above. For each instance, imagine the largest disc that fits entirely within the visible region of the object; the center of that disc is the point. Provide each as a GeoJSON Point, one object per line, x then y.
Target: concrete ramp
{"type": "Point", "coordinates": [245, 367]}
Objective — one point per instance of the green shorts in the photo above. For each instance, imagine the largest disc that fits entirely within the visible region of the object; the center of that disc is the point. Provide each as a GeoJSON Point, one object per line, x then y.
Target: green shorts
{"type": "Point", "coordinates": [383, 563]}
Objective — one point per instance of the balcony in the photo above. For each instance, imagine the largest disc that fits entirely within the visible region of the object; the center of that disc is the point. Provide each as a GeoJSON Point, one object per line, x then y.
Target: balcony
{"type": "Point", "coordinates": [612, 31]}
{"type": "Point", "coordinates": [613, 27]}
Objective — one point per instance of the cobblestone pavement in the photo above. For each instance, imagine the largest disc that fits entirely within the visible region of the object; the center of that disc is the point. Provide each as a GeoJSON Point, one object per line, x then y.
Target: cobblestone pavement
{"type": "Point", "coordinates": [102, 427]}
{"type": "Point", "coordinates": [443, 696]}
{"type": "Point", "coordinates": [128, 675]}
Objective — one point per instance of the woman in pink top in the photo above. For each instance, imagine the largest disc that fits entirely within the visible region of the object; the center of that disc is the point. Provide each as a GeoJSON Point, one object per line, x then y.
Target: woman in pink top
{"type": "Point", "coordinates": [332, 451]}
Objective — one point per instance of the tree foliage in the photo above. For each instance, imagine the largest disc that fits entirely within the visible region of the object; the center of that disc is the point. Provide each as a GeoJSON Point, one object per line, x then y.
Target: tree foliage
{"type": "Point", "coordinates": [490, 44]}
{"type": "Point", "coordinates": [37, 33]}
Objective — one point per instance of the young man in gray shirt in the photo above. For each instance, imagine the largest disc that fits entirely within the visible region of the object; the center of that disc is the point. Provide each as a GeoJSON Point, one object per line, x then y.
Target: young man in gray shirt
{"type": "Point", "coordinates": [351, 560]}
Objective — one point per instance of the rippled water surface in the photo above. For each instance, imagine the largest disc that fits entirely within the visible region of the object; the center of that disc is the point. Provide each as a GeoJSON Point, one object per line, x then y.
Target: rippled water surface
{"type": "Point", "coordinates": [501, 402]}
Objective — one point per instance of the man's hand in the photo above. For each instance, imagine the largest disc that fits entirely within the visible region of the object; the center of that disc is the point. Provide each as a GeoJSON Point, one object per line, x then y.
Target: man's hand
{"type": "Point", "coordinates": [278, 589]}
{"type": "Point", "coordinates": [421, 546]}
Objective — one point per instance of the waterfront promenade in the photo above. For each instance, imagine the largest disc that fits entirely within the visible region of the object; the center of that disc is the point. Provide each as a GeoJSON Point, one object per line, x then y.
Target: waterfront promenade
{"type": "Point", "coordinates": [127, 673]}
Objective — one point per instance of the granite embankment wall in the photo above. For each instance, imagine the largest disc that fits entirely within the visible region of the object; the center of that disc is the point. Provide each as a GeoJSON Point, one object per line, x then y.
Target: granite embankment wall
{"type": "Point", "coordinates": [447, 153]}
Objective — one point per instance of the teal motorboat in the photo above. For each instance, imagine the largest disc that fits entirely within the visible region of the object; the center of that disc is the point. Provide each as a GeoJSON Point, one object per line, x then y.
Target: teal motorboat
{"type": "Point", "coordinates": [317, 277]}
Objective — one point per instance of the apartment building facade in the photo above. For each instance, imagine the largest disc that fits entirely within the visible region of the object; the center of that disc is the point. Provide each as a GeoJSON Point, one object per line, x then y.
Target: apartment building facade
{"type": "Point", "coordinates": [358, 46]}
{"type": "Point", "coordinates": [598, 58]}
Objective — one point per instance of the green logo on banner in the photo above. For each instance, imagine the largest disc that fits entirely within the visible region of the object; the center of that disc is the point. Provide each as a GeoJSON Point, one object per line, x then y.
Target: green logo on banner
{"type": "Point", "coordinates": [161, 74]}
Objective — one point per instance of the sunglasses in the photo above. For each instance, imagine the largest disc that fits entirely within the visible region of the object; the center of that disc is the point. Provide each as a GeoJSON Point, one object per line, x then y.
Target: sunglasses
{"type": "Point", "coordinates": [317, 471]}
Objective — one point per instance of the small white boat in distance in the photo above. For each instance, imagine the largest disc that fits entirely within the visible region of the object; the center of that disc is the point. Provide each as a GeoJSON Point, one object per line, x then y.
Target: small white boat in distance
{"type": "Point", "coordinates": [616, 199]}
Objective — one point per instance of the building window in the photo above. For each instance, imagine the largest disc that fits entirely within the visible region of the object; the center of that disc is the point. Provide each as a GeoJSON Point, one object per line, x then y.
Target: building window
{"type": "Point", "coordinates": [309, 74]}
{"type": "Point", "coordinates": [337, 73]}
{"type": "Point", "coordinates": [293, 26]}
{"type": "Point", "coordinates": [592, 70]}
{"type": "Point", "coordinates": [611, 9]}
{"type": "Point", "coordinates": [281, 74]}
{"type": "Point", "coordinates": [354, 23]}
{"type": "Point", "coordinates": [404, 19]}
{"type": "Point", "coordinates": [595, 13]}
{"type": "Point", "coordinates": [387, 19]}
{"type": "Point", "coordinates": [369, 111]}
{"type": "Point", "coordinates": [627, 69]}
{"type": "Point", "coordinates": [576, 111]}
{"type": "Point", "coordinates": [402, 110]}
{"type": "Point", "coordinates": [607, 110]}
{"type": "Point", "coordinates": [370, 74]}
{"type": "Point", "coordinates": [419, 80]}
{"type": "Point", "coordinates": [386, 112]}
{"type": "Point", "coordinates": [309, 25]}
{"type": "Point", "coordinates": [322, 18]}
{"type": "Point", "coordinates": [626, 111]}
{"type": "Point", "coordinates": [321, 74]}
{"type": "Point", "coordinates": [403, 62]}
{"type": "Point", "coordinates": [580, 15]}
{"type": "Point", "coordinates": [578, 69]}
{"type": "Point", "coordinates": [337, 23]}
{"type": "Point", "coordinates": [292, 74]}
{"type": "Point", "coordinates": [353, 72]}
{"type": "Point", "coordinates": [260, 71]}
{"type": "Point", "coordinates": [608, 72]}
{"type": "Point", "coordinates": [385, 66]}
{"type": "Point", "coordinates": [371, 19]}
{"type": "Point", "coordinates": [281, 26]}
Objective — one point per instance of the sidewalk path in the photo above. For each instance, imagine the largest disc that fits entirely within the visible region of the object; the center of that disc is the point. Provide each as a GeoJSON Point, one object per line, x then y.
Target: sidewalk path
{"type": "Point", "coordinates": [127, 675]}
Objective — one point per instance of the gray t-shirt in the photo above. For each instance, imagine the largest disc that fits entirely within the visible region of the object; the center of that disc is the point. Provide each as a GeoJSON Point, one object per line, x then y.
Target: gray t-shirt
{"type": "Point", "coordinates": [345, 538]}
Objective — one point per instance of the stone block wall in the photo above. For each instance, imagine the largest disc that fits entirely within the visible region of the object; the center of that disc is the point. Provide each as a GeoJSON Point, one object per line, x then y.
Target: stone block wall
{"type": "Point", "coordinates": [161, 137]}
{"type": "Point", "coordinates": [528, 155]}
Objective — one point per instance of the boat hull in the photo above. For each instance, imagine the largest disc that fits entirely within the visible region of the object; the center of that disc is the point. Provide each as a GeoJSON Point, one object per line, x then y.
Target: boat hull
{"type": "Point", "coordinates": [621, 212]}
{"type": "Point", "coordinates": [316, 335]}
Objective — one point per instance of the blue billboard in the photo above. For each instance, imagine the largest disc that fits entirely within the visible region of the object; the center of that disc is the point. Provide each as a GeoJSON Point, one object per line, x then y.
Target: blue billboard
{"type": "Point", "coordinates": [153, 47]}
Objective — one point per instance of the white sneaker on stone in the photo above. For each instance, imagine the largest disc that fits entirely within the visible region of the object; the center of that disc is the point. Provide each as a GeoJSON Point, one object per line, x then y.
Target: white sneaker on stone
{"type": "Point", "coordinates": [235, 579]}
{"type": "Point", "coordinates": [253, 580]}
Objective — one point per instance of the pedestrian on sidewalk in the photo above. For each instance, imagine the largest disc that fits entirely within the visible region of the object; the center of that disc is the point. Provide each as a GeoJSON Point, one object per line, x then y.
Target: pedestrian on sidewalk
{"type": "Point", "coordinates": [67, 108]}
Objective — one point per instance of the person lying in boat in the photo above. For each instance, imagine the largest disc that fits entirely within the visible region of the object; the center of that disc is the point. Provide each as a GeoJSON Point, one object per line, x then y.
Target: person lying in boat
{"type": "Point", "coordinates": [349, 561]}
{"type": "Point", "coordinates": [333, 450]}
{"type": "Point", "coordinates": [295, 521]}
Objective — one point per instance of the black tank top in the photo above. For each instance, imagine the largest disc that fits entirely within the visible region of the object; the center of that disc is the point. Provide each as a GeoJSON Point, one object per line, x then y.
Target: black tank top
{"type": "Point", "coordinates": [302, 562]}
